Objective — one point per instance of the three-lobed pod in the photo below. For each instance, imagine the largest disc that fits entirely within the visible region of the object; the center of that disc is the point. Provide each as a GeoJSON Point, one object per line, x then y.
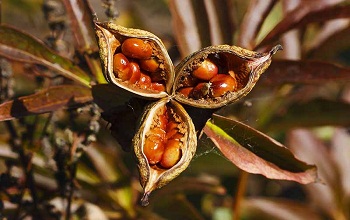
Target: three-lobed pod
{"type": "Point", "coordinates": [166, 140]}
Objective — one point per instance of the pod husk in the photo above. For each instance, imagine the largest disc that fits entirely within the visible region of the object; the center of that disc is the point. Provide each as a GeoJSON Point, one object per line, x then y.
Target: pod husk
{"type": "Point", "coordinates": [248, 66]}
{"type": "Point", "coordinates": [110, 37]}
{"type": "Point", "coordinates": [151, 177]}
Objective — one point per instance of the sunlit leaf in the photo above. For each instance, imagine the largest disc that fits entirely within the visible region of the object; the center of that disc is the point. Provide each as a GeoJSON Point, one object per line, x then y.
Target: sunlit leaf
{"type": "Point", "coordinates": [277, 209]}
{"type": "Point", "coordinates": [44, 101]}
{"type": "Point", "coordinates": [317, 112]}
{"type": "Point", "coordinates": [253, 19]}
{"type": "Point", "coordinates": [303, 71]}
{"type": "Point", "coordinates": [255, 152]}
{"type": "Point", "coordinates": [17, 45]}
{"type": "Point", "coordinates": [305, 14]}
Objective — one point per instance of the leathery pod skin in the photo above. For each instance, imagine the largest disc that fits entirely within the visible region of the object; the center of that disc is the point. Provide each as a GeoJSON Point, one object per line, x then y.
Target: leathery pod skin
{"type": "Point", "coordinates": [168, 116]}
{"type": "Point", "coordinates": [120, 46]}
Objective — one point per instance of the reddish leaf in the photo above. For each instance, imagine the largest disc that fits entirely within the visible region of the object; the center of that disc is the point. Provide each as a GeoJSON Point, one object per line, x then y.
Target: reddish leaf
{"type": "Point", "coordinates": [305, 14]}
{"type": "Point", "coordinates": [252, 22]}
{"type": "Point", "coordinates": [81, 18]}
{"type": "Point", "coordinates": [17, 45]}
{"type": "Point", "coordinates": [254, 152]}
{"type": "Point", "coordinates": [308, 72]}
{"type": "Point", "coordinates": [185, 26]}
{"type": "Point", "coordinates": [46, 100]}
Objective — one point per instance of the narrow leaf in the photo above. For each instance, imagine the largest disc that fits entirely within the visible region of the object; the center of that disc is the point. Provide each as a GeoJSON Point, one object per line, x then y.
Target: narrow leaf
{"type": "Point", "coordinates": [81, 18]}
{"type": "Point", "coordinates": [317, 112]}
{"type": "Point", "coordinates": [307, 72]}
{"type": "Point", "coordinates": [255, 152]}
{"type": "Point", "coordinates": [252, 21]}
{"type": "Point", "coordinates": [44, 101]}
{"type": "Point", "coordinates": [303, 15]}
{"type": "Point", "coordinates": [17, 45]}
{"type": "Point", "coordinates": [185, 27]}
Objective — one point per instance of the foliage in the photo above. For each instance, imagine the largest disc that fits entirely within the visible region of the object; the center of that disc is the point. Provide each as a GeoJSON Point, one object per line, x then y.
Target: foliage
{"type": "Point", "coordinates": [58, 159]}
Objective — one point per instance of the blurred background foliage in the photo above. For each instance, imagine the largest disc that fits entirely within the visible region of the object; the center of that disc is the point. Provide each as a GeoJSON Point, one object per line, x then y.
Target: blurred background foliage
{"type": "Point", "coordinates": [301, 101]}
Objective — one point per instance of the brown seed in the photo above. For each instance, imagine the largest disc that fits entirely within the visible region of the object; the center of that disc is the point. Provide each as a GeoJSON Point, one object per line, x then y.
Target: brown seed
{"type": "Point", "coordinates": [177, 136]}
{"type": "Point", "coordinates": [206, 70]}
{"type": "Point", "coordinates": [171, 133]}
{"type": "Point", "coordinates": [153, 149]}
{"type": "Point", "coordinates": [186, 91]}
{"type": "Point", "coordinates": [158, 86]}
{"type": "Point", "coordinates": [221, 84]}
{"type": "Point", "coordinates": [200, 91]}
{"type": "Point", "coordinates": [172, 154]}
{"type": "Point", "coordinates": [171, 125]}
{"type": "Point", "coordinates": [156, 76]}
{"type": "Point", "coordinates": [135, 72]}
{"type": "Point", "coordinates": [150, 65]}
{"type": "Point", "coordinates": [163, 121]}
{"type": "Point", "coordinates": [136, 48]}
{"type": "Point", "coordinates": [121, 67]}
{"type": "Point", "coordinates": [144, 81]}
{"type": "Point", "coordinates": [157, 132]}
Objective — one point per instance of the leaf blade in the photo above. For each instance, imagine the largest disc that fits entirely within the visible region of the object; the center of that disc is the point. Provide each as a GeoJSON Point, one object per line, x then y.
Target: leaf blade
{"type": "Point", "coordinates": [17, 45]}
{"type": "Point", "coordinates": [45, 101]}
{"type": "Point", "coordinates": [257, 153]}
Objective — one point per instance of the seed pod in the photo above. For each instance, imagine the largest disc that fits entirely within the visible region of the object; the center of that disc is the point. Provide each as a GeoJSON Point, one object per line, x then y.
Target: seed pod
{"type": "Point", "coordinates": [155, 175]}
{"type": "Point", "coordinates": [136, 44]}
{"type": "Point", "coordinates": [243, 65]}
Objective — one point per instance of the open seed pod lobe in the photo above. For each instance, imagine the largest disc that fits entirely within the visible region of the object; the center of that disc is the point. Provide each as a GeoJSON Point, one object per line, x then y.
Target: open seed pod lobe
{"type": "Point", "coordinates": [164, 144]}
{"type": "Point", "coordinates": [218, 75]}
{"type": "Point", "coordinates": [127, 54]}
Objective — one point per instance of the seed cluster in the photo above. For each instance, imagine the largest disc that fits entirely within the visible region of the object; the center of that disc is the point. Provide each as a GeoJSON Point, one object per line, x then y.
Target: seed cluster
{"type": "Point", "coordinates": [164, 140]}
{"type": "Point", "coordinates": [210, 79]}
{"type": "Point", "coordinates": [136, 64]}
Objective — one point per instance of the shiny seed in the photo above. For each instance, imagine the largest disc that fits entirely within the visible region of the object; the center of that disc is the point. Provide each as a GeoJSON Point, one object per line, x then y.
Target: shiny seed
{"type": "Point", "coordinates": [221, 84]}
{"type": "Point", "coordinates": [172, 154]}
{"type": "Point", "coordinates": [206, 70]}
{"type": "Point", "coordinates": [150, 65]}
{"type": "Point", "coordinates": [153, 149]}
{"type": "Point", "coordinates": [121, 67]}
{"type": "Point", "coordinates": [135, 72]}
{"type": "Point", "coordinates": [136, 48]}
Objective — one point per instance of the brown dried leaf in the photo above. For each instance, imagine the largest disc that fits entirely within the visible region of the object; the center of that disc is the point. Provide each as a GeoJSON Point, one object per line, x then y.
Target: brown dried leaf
{"type": "Point", "coordinates": [44, 101]}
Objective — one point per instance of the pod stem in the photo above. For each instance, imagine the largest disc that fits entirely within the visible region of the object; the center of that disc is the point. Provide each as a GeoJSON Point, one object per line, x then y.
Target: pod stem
{"type": "Point", "coordinates": [144, 199]}
{"type": "Point", "coordinates": [275, 49]}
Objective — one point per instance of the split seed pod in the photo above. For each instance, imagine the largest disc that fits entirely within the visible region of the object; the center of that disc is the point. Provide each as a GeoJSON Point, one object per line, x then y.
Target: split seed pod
{"type": "Point", "coordinates": [238, 71]}
{"type": "Point", "coordinates": [170, 133]}
{"type": "Point", "coordinates": [124, 50]}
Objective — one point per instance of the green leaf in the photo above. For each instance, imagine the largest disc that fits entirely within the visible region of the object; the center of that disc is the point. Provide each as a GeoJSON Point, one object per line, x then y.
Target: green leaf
{"type": "Point", "coordinates": [255, 152]}
{"type": "Point", "coordinates": [302, 71]}
{"type": "Point", "coordinates": [44, 101]}
{"type": "Point", "coordinates": [20, 46]}
{"type": "Point", "coordinates": [317, 112]}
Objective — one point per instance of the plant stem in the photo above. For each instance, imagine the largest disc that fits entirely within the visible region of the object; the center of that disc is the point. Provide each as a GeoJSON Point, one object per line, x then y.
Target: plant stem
{"type": "Point", "coordinates": [241, 188]}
